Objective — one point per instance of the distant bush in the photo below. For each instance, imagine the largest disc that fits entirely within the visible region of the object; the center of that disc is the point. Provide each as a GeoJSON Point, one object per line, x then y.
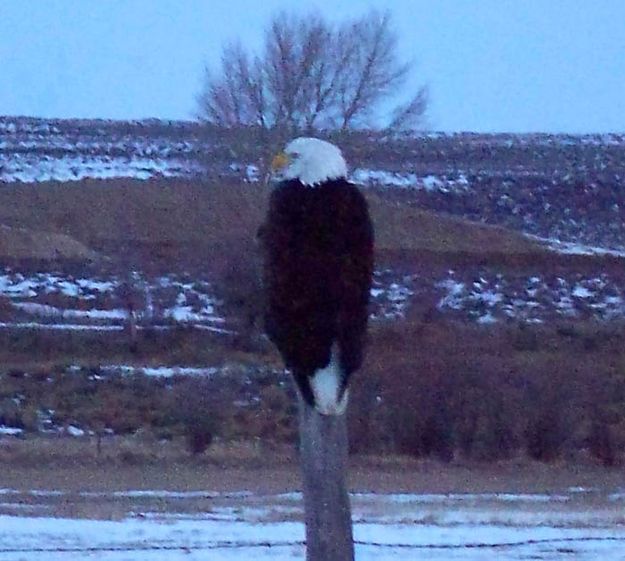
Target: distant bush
{"type": "Point", "coordinates": [198, 410]}
{"type": "Point", "coordinates": [200, 434]}
{"type": "Point", "coordinates": [443, 390]}
{"type": "Point", "coordinates": [601, 443]}
{"type": "Point", "coordinates": [7, 311]}
{"type": "Point", "coordinates": [365, 421]}
{"type": "Point", "coordinates": [10, 413]}
{"type": "Point", "coordinates": [454, 389]}
{"type": "Point", "coordinates": [546, 435]}
{"type": "Point", "coordinates": [238, 286]}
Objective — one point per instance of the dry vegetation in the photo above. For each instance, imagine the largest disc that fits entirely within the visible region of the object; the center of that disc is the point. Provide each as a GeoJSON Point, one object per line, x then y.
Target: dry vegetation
{"type": "Point", "coordinates": [453, 390]}
{"type": "Point", "coordinates": [172, 223]}
{"type": "Point", "coordinates": [431, 388]}
{"type": "Point", "coordinates": [22, 243]}
{"type": "Point", "coordinates": [139, 462]}
{"type": "Point", "coordinates": [166, 224]}
{"type": "Point", "coordinates": [31, 350]}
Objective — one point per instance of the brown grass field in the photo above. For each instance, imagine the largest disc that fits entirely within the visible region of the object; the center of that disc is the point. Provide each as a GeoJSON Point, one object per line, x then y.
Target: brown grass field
{"type": "Point", "coordinates": [177, 225]}
{"type": "Point", "coordinates": [489, 386]}
{"type": "Point", "coordinates": [235, 468]}
{"type": "Point", "coordinates": [127, 463]}
{"type": "Point", "coordinates": [175, 222]}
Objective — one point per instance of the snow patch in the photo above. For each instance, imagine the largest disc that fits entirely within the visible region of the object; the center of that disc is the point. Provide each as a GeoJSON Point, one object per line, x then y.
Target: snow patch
{"type": "Point", "coordinates": [10, 431]}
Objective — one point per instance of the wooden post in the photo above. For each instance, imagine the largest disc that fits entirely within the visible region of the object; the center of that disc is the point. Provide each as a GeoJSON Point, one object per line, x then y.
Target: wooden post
{"type": "Point", "coordinates": [323, 455]}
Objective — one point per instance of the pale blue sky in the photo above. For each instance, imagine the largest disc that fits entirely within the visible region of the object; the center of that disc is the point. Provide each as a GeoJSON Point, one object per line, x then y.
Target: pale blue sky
{"type": "Point", "coordinates": [491, 65]}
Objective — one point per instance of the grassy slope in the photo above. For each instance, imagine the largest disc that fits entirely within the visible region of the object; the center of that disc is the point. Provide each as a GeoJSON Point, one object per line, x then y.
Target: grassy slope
{"type": "Point", "coordinates": [26, 243]}
{"type": "Point", "coordinates": [172, 225]}
{"type": "Point", "coordinates": [170, 222]}
{"type": "Point", "coordinates": [180, 219]}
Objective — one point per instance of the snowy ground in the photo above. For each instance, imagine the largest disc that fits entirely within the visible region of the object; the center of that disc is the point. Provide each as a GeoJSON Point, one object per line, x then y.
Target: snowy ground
{"type": "Point", "coordinates": [570, 248]}
{"type": "Point", "coordinates": [34, 150]}
{"type": "Point", "coordinates": [57, 301]}
{"type": "Point", "coordinates": [577, 524]}
{"type": "Point", "coordinates": [488, 297]}
{"type": "Point", "coordinates": [410, 180]}
{"type": "Point", "coordinates": [103, 303]}
{"type": "Point", "coordinates": [33, 169]}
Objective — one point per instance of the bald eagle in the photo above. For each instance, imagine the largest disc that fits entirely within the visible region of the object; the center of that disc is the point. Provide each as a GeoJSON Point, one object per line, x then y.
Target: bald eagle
{"type": "Point", "coordinates": [318, 264]}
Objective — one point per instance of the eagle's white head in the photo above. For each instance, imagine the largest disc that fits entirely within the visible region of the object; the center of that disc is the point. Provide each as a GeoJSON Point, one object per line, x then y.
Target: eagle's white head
{"type": "Point", "coordinates": [310, 160]}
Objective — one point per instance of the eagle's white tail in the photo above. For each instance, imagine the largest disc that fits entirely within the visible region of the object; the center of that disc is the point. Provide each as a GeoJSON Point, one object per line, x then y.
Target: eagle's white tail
{"type": "Point", "coordinates": [326, 385]}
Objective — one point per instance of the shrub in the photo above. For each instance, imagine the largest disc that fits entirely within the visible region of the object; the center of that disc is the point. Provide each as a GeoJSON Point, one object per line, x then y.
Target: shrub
{"type": "Point", "coordinates": [10, 413]}
{"type": "Point", "coordinates": [196, 406]}
{"type": "Point", "coordinates": [546, 434]}
{"type": "Point", "coordinates": [200, 434]}
{"type": "Point", "coordinates": [601, 443]}
{"type": "Point", "coordinates": [365, 416]}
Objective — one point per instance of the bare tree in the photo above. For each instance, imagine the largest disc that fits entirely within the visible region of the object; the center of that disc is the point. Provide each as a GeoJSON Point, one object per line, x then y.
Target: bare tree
{"type": "Point", "coordinates": [371, 72]}
{"type": "Point", "coordinates": [313, 75]}
{"type": "Point", "coordinates": [409, 116]}
{"type": "Point", "coordinates": [236, 98]}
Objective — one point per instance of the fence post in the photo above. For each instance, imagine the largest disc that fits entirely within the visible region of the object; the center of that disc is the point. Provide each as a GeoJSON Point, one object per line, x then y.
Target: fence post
{"type": "Point", "coordinates": [323, 456]}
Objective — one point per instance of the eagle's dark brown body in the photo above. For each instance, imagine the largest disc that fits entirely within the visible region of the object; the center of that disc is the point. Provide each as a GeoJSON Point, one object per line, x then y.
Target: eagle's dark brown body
{"type": "Point", "coordinates": [318, 245]}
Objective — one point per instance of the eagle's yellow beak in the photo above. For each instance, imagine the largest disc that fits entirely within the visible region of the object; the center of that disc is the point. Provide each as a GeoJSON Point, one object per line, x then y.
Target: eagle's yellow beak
{"type": "Point", "coordinates": [280, 161]}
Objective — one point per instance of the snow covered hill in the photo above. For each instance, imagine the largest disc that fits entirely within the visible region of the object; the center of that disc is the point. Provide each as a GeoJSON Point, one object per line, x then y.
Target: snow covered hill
{"type": "Point", "coordinates": [565, 187]}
